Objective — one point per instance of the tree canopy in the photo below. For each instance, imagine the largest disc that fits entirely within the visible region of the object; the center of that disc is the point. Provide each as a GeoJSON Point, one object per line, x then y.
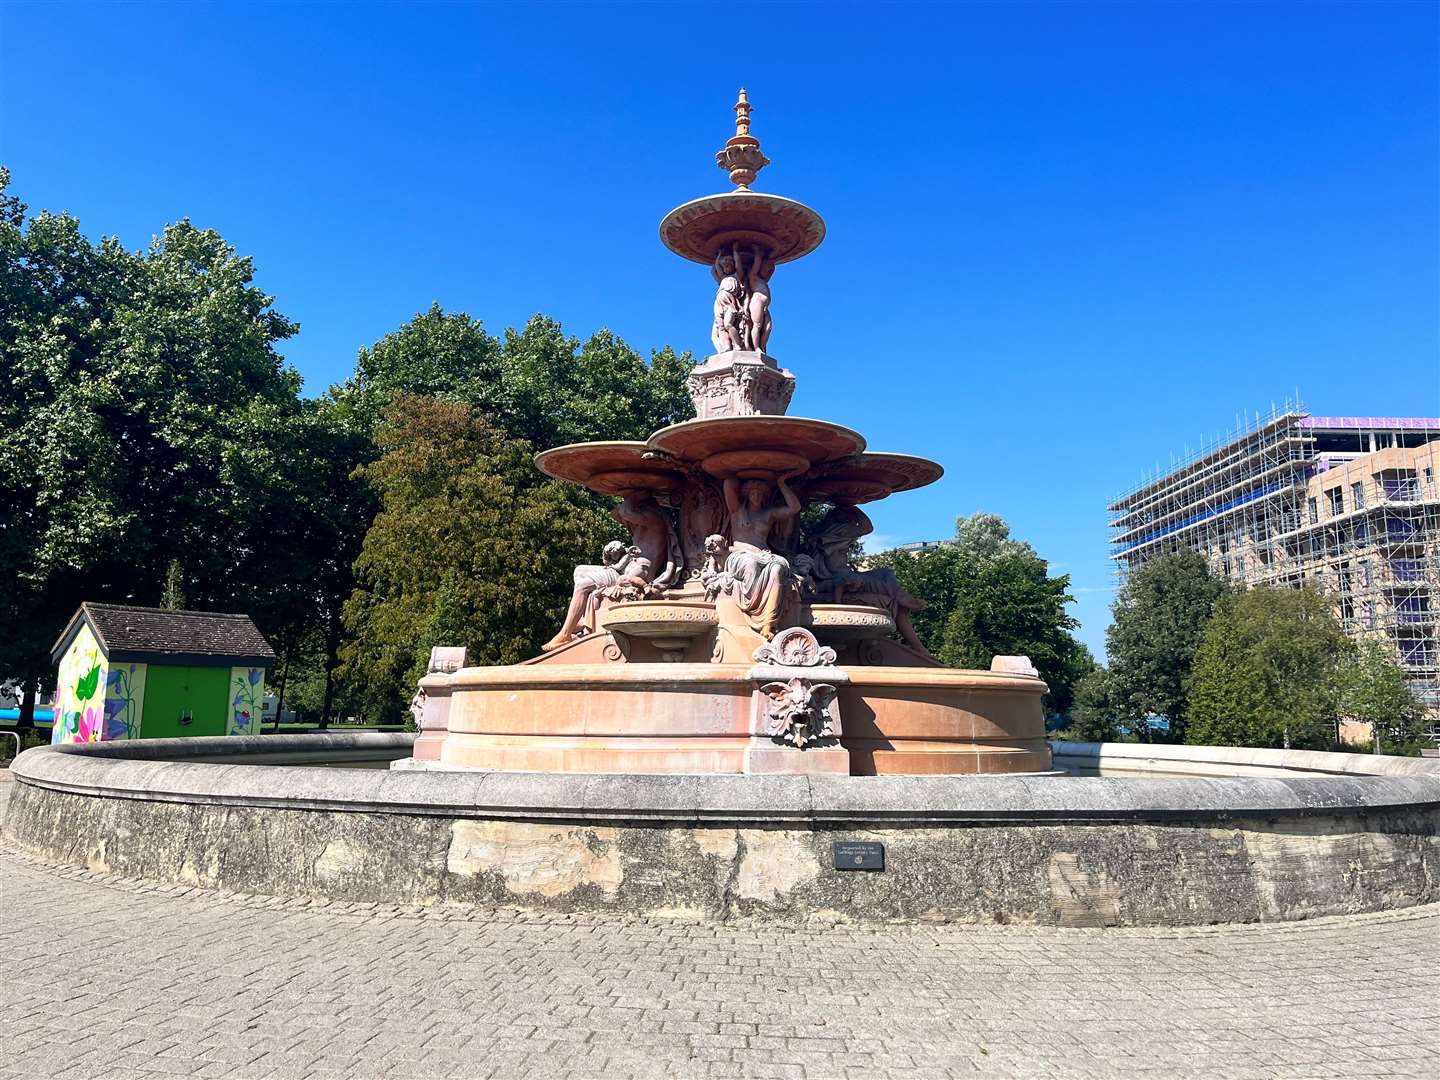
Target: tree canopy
{"type": "Point", "coordinates": [535, 384]}
{"type": "Point", "coordinates": [471, 541]}
{"type": "Point", "coordinates": [153, 443]}
{"type": "Point", "coordinates": [989, 594]}
{"type": "Point", "coordinates": [1093, 716]}
{"type": "Point", "coordinates": [1266, 671]}
{"type": "Point", "coordinates": [1371, 688]}
{"type": "Point", "coordinates": [471, 546]}
{"type": "Point", "coordinates": [132, 388]}
{"type": "Point", "coordinates": [1159, 618]}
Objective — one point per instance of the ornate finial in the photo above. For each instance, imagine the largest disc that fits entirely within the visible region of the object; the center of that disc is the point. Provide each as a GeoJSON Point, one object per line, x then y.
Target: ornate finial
{"type": "Point", "coordinates": [742, 114]}
{"type": "Point", "coordinates": [741, 157]}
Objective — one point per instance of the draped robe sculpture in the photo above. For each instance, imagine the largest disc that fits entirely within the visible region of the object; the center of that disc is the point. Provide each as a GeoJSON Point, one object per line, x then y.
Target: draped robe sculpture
{"type": "Point", "coordinates": [829, 548]}
{"type": "Point", "coordinates": [758, 579]}
{"type": "Point", "coordinates": [650, 563]}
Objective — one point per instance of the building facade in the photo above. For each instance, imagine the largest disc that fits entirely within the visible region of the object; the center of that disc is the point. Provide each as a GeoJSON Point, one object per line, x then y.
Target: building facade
{"type": "Point", "coordinates": [1348, 505]}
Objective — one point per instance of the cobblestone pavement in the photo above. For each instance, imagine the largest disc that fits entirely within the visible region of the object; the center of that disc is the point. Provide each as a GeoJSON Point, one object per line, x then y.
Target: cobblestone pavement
{"type": "Point", "coordinates": [102, 977]}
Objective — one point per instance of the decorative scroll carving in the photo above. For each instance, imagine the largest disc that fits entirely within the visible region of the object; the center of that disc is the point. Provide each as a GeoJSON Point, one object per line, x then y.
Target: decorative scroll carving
{"type": "Point", "coordinates": [740, 384]}
{"type": "Point", "coordinates": [702, 514]}
{"type": "Point", "coordinates": [795, 647]}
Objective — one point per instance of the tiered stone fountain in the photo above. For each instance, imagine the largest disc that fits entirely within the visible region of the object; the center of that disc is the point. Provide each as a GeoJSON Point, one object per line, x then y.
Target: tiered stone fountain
{"type": "Point", "coordinates": [725, 637]}
{"type": "Point", "coordinates": [729, 637]}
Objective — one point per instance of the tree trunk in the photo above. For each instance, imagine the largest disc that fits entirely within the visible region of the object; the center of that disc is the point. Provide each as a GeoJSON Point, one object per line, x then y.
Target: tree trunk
{"type": "Point", "coordinates": [284, 677]}
{"type": "Point", "coordinates": [26, 722]}
{"type": "Point", "coordinates": [332, 645]}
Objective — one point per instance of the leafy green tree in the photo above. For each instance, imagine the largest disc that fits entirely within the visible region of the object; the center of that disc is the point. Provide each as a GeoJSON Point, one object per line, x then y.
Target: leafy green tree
{"type": "Point", "coordinates": [471, 543]}
{"type": "Point", "coordinates": [535, 388]}
{"type": "Point", "coordinates": [986, 537]}
{"type": "Point", "coordinates": [1266, 671]}
{"type": "Point", "coordinates": [1371, 688]}
{"type": "Point", "coordinates": [1159, 618]}
{"type": "Point", "coordinates": [124, 381]}
{"type": "Point", "coordinates": [1093, 718]}
{"type": "Point", "coordinates": [173, 595]}
{"type": "Point", "coordinates": [535, 384]}
{"type": "Point", "coordinates": [435, 354]}
{"type": "Point", "coordinates": [987, 595]}
{"type": "Point", "coordinates": [555, 390]}
{"type": "Point", "coordinates": [301, 514]}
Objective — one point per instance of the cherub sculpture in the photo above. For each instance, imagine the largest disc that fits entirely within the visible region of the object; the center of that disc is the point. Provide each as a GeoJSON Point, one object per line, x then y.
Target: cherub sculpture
{"type": "Point", "coordinates": [728, 331]}
{"type": "Point", "coordinates": [757, 301]}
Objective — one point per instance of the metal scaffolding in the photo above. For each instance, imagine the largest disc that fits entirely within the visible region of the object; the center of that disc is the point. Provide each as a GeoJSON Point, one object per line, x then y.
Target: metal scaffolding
{"type": "Point", "coordinates": [1347, 505]}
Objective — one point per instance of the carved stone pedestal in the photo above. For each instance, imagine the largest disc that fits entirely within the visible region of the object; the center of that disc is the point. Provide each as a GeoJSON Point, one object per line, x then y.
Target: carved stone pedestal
{"type": "Point", "coordinates": [740, 383]}
{"type": "Point", "coordinates": [431, 705]}
{"type": "Point", "coordinates": [796, 719]}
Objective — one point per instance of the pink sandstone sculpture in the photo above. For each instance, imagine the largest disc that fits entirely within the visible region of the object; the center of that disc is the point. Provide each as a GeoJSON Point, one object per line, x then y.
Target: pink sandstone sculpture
{"type": "Point", "coordinates": [724, 637]}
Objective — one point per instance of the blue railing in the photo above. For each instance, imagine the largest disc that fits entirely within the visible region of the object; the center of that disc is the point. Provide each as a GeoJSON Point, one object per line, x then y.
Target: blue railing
{"type": "Point", "coordinates": [1229, 504]}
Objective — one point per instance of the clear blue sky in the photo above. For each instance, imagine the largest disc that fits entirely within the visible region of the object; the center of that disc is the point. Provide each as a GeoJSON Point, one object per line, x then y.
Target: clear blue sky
{"type": "Point", "coordinates": [1065, 240]}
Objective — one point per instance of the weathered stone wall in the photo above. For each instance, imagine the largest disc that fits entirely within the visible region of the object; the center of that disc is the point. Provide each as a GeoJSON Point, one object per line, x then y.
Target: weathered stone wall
{"type": "Point", "coordinates": [1117, 872]}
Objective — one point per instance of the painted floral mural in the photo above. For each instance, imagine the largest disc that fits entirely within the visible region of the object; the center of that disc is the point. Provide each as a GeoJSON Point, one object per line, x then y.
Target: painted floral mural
{"type": "Point", "coordinates": [247, 698]}
{"type": "Point", "coordinates": [79, 698]}
{"type": "Point", "coordinates": [124, 691]}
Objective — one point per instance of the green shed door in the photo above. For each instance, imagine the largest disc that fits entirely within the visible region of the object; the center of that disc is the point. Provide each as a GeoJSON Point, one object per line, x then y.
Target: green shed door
{"type": "Point", "coordinates": [201, 693]}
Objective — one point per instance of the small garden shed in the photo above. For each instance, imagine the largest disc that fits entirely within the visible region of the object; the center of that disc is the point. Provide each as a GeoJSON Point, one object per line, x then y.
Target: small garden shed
{"type": "Point", "coordinates": [137, 672]}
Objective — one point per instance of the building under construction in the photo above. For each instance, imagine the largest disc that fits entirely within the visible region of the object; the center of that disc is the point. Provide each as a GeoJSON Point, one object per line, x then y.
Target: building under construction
{"type": "Point", "coordinates": [1346, 504]}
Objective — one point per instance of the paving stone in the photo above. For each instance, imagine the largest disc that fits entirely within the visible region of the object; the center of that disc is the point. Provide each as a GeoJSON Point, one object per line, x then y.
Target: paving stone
{"type": "Point", "coordinates": [102, 977]}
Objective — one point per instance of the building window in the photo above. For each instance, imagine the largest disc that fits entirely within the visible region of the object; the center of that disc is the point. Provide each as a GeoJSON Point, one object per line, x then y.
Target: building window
{"type": "Point", "coordinates": [1399, 485]}
{"type": "Point", "coordinates": [1357, 496]}
{"type": "Point", "coordinates": [1416, 652]}
{"type": "Point", "coordinates": [1314, 510]}
{"type": "Point", "coordinates": [1399, 530]}
{"type": "Point", "coordinates": [1337, 502]}
{"type": "Point", "coordinates": [1369, 608]}
{"type": "Point", "coordinates": [1365, 572]}
{"type": "Point", "coordinates": [1405, 569]}
{"type": "Point", "coordinates": [1412, 609]}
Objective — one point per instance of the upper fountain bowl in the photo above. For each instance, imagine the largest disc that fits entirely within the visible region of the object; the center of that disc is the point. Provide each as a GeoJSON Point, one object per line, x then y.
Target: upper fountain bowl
{"type": "Point", "coordinates": [611, 468]}
{"type": "Point", "coordinates": [734, 444]}
{"type": "Point", "coordinates": [702, 228]}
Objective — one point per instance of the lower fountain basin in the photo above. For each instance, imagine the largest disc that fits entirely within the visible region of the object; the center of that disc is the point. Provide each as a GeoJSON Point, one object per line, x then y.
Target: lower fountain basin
{"type": "Point", "coordinates": [709, 718]}
{"type": "Point", "coordinates": [1317, 834]}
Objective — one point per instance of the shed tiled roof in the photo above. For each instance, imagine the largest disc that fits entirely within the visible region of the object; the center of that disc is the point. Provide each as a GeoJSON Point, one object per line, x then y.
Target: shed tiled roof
{"type": "Point", "coordinates": [127, 632]}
